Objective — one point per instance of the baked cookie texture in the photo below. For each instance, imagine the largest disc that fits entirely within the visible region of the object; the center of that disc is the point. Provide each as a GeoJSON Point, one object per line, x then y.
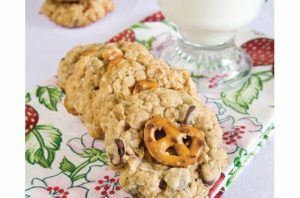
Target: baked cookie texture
{"type": "Point", "coordinates": [123, 75]}
{"type": "Point", "coordinates": [76, 13]}
{"type": "Point", "coordinates": [140, 173]}
{"type": "Point", "coordinates": [104, 52]}
{"type": "Point", "coordinates": [94, 75]}
{"type": "Point", "coordinates": [67, 63]}
{"type": "Point", "coordinates": [79, 76]}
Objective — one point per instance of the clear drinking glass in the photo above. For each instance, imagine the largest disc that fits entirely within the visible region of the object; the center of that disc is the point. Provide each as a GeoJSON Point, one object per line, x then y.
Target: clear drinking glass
{"type": "Point", "coordinates": [205, 42]}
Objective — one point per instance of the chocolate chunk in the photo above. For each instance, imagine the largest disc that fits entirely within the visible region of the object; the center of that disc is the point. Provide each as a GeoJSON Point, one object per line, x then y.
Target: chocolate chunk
{"type": "Point", "coordinates": [209, 173]}
{"type": "Point", "coordinates": [121, 147]}
{"type": "Point", "coordinates": [162, 185]}
{"type": "Point", "coordinates": [126, 127]}
{"type": "Point", "coordinates": [135, 195]}
{"type": "Point", "coordinates": [209, 183]}
{"type": "Point", "coordinates": [188, 113]}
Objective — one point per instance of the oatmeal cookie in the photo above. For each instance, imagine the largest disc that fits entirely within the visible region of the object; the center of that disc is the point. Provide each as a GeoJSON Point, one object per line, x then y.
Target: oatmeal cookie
{"type": "Point", "coordinates": [132, 73]}
{"type": "Point", "coordinates": [67, 63]}
{"type": "Point", "coordinates": [142, 172]}
{"type": "Point", "coordinates": [76, 13]}
{"type": "Point", "coordinates": [80, 72]}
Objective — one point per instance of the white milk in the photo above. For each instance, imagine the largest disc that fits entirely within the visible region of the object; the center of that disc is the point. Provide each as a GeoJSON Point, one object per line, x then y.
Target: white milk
{"type": "Point", "coordinates": [210, 22]}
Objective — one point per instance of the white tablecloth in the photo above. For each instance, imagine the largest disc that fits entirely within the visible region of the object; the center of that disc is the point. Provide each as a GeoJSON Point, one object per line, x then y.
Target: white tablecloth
{"type": "Point", "coordinates": [46, 43]}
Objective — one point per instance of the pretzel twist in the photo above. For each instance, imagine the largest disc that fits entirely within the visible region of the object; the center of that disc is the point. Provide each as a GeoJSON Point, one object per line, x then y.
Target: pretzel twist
{"type": "Point", "coordinates": [175, 137]}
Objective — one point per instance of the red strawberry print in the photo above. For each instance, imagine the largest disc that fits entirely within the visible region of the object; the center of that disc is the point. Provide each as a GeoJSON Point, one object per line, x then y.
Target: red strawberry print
{"type": "Point", "coordinates": [216, 184]}
{"type": "Point", "coordinates": [261, 51]}
{"type": "Point", "coordinates": [158, 16]}
{"type": "Point", "coordinates": [126, 35]}
{"type": "Point", "coordinates": [31, 118]}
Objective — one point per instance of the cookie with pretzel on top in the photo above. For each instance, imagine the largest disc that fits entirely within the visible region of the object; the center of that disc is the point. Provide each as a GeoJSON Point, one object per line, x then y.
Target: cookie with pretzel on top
{"type": "Point", "coordinates": [164, 143]}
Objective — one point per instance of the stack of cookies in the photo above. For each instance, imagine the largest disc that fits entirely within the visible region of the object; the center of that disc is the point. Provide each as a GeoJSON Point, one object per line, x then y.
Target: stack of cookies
{"type": "Point", "coordinates": [160, 138]}
{"type": "Point", "coordinates": [76, 13]}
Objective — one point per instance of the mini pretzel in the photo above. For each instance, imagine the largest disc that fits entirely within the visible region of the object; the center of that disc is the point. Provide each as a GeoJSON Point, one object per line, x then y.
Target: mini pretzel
{"type": "Point", "coordinates": [143, 85]}
{"type": "Point", "coordinates": [174, 138]}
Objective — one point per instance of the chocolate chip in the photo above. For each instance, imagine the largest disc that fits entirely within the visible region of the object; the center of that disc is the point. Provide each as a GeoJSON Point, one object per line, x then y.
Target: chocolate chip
{"type": "Point", "coordinates": [126, 127]}
{"type": "Point", "coordinates": [162, 185]}
{"type": "Point", "coordinates": [121, 147]}
{"type": "Point", "coordinates": [209, 173]}
{"type": "Point", "coordinates": [135, 195]}
{"type": "Point", "coordinates": [209, 183]}
{"type": "Point", "coordinates": [188, 113]}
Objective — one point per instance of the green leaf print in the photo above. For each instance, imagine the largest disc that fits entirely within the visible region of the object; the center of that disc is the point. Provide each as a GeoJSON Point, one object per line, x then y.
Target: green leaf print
{"type": "Point", "coordinates": [140, 25]}
{"type": "Point", "coordinates": [45, 157]}
{"type": "Point", "coordinates": [49, 96]}
{"type": "Point", "coordinates": [240, 99]}
{"type": "Point", "coordinates": [41, 144]}
{"type": "Point", "coordinates": [51, 136]}
{"type": "Point", "coordinates": [94, 155]}
{"type": "Point", "coordinates": [230, 100]}
{"type": "Point", "coordinates": [146, 43]}
{"type": "Point", "coordinates": [265, 76]}
{"type": "Point", "coordinates": [67, 166]}
{"type": "Point", "coordinates": [27, 97]}
{"type": "Point", "coordinates": [196, 76]}
{"type": "Point", "coordinates": [170, 24]}
{"type": "Point", "coordinates": [239, 163]}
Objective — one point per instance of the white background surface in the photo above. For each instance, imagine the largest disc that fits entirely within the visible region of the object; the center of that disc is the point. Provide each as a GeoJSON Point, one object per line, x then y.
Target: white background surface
{"type": "Point", "coordinates": [46, 43]}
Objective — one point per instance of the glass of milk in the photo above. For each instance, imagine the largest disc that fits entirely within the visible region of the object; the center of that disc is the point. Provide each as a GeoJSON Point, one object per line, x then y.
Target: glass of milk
{"type": "Point", "coordinates": [205, 43]}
